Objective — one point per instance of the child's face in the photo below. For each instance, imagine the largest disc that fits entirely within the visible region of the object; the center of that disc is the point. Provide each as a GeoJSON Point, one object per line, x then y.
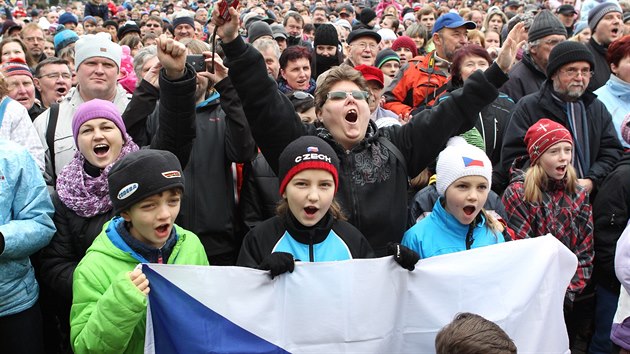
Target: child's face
{"type": "Point", "coordinates": [152, 218]}
{"type": "Point", "coordinates": [556, 159]}
{"type": "Point", "coordinates": [465, 197]}
{"type": "Point", "coordinates": [100, 141]}
{"type": "Point", "coordinates": [309, 195]}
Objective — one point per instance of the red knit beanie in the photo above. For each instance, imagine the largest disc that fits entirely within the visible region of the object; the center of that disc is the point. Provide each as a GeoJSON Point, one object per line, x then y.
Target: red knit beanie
{"type": "Point", "coordinates": [405, 42]}
{"type": "Point", "coordinates": [544, 134]}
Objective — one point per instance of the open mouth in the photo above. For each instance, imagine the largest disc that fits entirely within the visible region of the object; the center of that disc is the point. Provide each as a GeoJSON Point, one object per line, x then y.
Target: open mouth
{"type": "Point", "coordinates": [162, 228]}
{"type": "Point", "coordinates": [352, 116]}
{"type": "Point", "coordinates": [101, 150]}
{"type": "Point", "coordinates": [615, 31]}
{"type": "Point", "coordinates": [561, 169]}
{"type": "Point", "coordinates": [468, 210]}
{"type": "Point", "coordinates": [61, 91]}
{"type": "Point", "coordinates": [310, 210]}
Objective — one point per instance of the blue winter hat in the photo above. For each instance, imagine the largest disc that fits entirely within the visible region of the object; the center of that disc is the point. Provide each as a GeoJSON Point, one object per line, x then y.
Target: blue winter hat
{"type": "Point", "coordinates": [579, 27]}
{"type": "Point", "coordinates": [64, 38]}
{"type": "Point", "coordinates": [68, 17]}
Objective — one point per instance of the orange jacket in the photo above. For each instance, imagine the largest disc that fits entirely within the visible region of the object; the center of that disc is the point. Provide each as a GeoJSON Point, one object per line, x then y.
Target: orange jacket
{"type": "Point", "coordinates": [415, 85]}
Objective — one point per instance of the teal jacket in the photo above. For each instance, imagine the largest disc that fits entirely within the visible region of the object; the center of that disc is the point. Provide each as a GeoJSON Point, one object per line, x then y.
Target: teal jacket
{"type": "Point", "coordinates": [108, 312]}
{"type": "Point", "coordinates": [25, 224]}
{"type": "Point", "coordinates": [441, 233]}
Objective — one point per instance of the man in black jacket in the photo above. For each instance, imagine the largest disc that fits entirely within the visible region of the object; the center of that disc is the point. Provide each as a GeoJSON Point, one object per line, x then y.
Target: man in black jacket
{"type": "Point", "coordinates": [606, 27]}
{"type": "Point", "coordinates": [564, 98]}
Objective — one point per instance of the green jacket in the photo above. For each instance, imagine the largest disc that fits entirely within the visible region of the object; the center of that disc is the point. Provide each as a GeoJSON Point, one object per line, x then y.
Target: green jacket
{"type": "Point", "coordinates": [108, 312]}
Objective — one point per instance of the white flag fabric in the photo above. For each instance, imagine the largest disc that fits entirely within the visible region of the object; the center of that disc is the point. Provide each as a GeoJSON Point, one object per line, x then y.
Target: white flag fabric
{"type": "Point", "coordinates": [362, 306]}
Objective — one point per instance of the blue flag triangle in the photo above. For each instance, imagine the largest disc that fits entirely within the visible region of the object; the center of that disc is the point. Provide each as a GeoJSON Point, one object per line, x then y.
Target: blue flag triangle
{"type": "Point", "coordinates": [181, 324]}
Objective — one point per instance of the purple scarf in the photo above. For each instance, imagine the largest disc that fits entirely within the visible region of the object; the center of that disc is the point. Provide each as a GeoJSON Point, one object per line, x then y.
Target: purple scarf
{"type": "Point", "coordinates": [86, 195]}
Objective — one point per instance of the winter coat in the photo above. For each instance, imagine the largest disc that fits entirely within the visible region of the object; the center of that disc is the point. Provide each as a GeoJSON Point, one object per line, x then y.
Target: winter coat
{"type": "Point", "coordinates": [25, 226]}
{"type": "Point", "coordinates": [615, 95]}
{"type": "Point", "coordinates": [567, 216]}
{"type": "Point", "coordinates": [223, 137]}
{"type": "Point", "coordinates": [259, 193]}
{"type": "Point", "coordinates": [369, 172]}
{"type": "Point", "coordinates": [611, 212]}
{"type": "Point", "coordinates": [441, 233]}
{"type": "Point", "coordinates": [525, 78]}
{"type": "Point", "coordinates": [601, 70]}
{"type": "Point", "coordinates": [328, 240]}
{"type": "Point", "coordinates": [17, 126]}
{"type": "Point", "coordinates": [74, 233]}
{"type": "Point", "coordinates": [620, 331]}
{"type": "Point", "coordinates": [425, 199]}
{"type": "Point", "coordinates": [604, 147]}
{"type": "Point", "coordinates": [108, 312]}
{"type": "Point", "coordinates": [92, 9]}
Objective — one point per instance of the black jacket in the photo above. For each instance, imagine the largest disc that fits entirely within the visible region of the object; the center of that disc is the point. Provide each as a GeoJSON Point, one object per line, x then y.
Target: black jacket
{"type": "Point", "coordinates": [601, 71]}
{"type": "Point", "coordinates": [605, 148]}
{"type": "Point", "coordinates": [611, 211]}
{"type": "Point", "coordinates": [223, 136]}
{"type": "Point", "coordinates": [75, 233]}
{"type": "Point", "coordinates": [525, 78]}
{"type": "Point", "coordinates": [91, 9]}
{"type": "Point", "coordinates": [372, 181]}
{"type": "Point", "coordinates": [329, 237]}
{"type": "Point", "coordinates": [259, 193]}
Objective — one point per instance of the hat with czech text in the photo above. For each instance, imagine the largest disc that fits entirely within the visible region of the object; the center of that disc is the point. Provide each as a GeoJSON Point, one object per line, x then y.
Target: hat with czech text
{"type": "Point", "coordinates": [306, 153]}
{"type": "Point", "coordinates": [141, 174]}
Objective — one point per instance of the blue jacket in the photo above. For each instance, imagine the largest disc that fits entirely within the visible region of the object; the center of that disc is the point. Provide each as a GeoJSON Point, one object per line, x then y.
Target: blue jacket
{"type": "Point", "coordinates": [25, 224]}
{"type": "Point", "coordinates": [441, 233]}
{"type": "Point", "coordinates": [615, 95]}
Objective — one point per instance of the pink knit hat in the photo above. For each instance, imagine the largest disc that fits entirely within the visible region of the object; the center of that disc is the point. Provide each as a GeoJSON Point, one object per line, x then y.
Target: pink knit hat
{"type": "Point", "coordinates": [94, 109]}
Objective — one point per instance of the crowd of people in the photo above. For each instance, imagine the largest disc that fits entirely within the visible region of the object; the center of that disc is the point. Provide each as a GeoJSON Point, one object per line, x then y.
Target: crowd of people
{"type": "Point", "coordinates": [272, 132]}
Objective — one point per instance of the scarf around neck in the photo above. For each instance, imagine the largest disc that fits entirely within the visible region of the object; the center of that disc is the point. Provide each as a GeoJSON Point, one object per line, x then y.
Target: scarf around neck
{"type": "Point", "coordinates": [88, 196]}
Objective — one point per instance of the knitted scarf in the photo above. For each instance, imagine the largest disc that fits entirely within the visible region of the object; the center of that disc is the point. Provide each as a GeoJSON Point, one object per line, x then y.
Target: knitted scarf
{"type": "Point", "coordinates": [283, 86]}
{"type": "Point", "coordinates": [86, 195]}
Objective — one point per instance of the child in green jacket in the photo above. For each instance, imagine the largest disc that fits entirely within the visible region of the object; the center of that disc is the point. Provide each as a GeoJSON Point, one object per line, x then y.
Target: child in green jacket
{"type": "Point", "coordinates": [110, 296]}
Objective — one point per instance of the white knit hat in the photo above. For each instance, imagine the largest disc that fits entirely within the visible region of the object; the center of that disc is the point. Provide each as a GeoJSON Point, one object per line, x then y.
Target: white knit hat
{"type": "Point", "coordinates": [97, 45]}
{"type": "Point", "coordinates": [461, 159]}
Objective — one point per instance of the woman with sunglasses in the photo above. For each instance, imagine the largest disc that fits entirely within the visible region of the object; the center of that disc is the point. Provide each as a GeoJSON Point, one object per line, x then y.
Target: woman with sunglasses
{"type": "Point", "coordinates": [375, 164]}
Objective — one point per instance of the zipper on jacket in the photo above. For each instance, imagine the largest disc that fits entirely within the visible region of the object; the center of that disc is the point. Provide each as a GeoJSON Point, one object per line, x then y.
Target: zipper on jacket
{"type": "Point", "coordinates": [311, 251]}
{"type": "Point", "coordinates": [469, 235]}
{"type": "Point", "coordinates": [353, 191]}
{"type": "Point", "coordinates": [612, 219]}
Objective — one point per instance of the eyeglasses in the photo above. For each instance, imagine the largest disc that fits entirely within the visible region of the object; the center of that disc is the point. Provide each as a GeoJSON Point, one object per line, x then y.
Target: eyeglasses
{"type": "Point", "coordinates": [33, 39]}
{"type": "Point", "coordinates": [364, 46]}
{"type": "Point", "coordinates": [155, 25]}
{"type": "Point", "coordinates": [342, 95]}
{"type": "Point", "coordinates": [301, 95]}
{"type": "Point", "coordinates": [66, 76]}
{"type": "Point", "coordinates": [553, 42]}
{"type": "Point", "coordinates": [573, 72]}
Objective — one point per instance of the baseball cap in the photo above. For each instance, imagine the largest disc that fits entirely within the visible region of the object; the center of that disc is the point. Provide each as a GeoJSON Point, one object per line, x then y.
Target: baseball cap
{"type": "Point", "coordinates": [451, 20]}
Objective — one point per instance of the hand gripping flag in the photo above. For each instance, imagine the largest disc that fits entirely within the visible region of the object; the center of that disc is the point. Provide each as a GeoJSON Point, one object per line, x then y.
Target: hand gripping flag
{"type": "Point", "coordinates": [366, 306]}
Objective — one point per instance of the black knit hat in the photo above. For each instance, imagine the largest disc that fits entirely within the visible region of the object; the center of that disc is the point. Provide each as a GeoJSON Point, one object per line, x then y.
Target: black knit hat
{"type": "Point", "coordinates": [141, 174]}
{"type": "Point", "coordinates": [305, 153]}
{"type": "Point", "coordinates": [545, 24]}
{"type": "Point", "coordinates": [568, 52]}
{"type": "Point", "coordinates": [326, 34]}
{"type": "Point", "coordinates": [598, 12]}
{"type": "Point", "coordinates": [367, 15]}
{"type": "Point", "coordinates": [183, 19]}
{"type": "Point", "coordinates": [362, 32]}
{"type": "Point", "coordinates": [257, 30]}
{"type": "Point", "coordinates": [384, 56]}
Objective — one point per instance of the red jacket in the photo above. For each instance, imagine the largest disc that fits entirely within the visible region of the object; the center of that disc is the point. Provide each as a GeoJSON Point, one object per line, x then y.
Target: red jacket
{"type": "Point", "coordinates": [415, 85]}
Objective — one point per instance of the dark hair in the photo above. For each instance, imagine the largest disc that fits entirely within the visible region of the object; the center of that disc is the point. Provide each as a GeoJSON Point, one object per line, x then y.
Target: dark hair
{"type": "Point", "coordinates": [301, 105]}
{"type": "Point", "coordinates": [296, 16]}
{"type": "Point", "coordinates": [309, 27]}
{"type": "Point", "coordinates": [395, 21]}
{"type": "Point", "coordinates": [49, 61]}
{"type": "Point", "coordinates": [469, 333]}
{"type": "Point", "coordinates": [460, 54]}
{"type": "Point", "coordinates": [618, 50]}
{"type": "Point", "coordinates": [293, 53]}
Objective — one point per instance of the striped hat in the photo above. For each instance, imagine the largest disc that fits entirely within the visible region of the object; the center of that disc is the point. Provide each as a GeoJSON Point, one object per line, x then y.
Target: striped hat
{"type": "Point", "coordinates": [384, 56]}
{"type": "Point", "coordinates": [16, 66]}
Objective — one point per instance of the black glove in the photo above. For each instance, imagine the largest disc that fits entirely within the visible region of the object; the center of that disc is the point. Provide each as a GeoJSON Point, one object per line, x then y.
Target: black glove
{"type": "Point", "coordinates": [406, 257]}
{"type": "Point", "coordinates": [278, 263]}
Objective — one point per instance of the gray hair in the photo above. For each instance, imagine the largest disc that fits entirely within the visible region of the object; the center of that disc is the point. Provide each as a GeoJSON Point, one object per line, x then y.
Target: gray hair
{"type": "Point", "coordinates": [143, 55]}
{"type": "Point", "coordinates": [264, 44]}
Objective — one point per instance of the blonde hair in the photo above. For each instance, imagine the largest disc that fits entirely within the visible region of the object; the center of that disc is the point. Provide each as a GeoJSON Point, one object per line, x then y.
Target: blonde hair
{"type": "Point", "coordinates": [536, 180]}
{"type": "Point", "coordinates": [335, 209]}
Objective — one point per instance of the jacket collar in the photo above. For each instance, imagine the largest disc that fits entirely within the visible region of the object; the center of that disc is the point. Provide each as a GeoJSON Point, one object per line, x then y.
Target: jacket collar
{"type": "Point", "coordinates": [451, 223]}
{"type": "Point", "coordinates": [309, 235]}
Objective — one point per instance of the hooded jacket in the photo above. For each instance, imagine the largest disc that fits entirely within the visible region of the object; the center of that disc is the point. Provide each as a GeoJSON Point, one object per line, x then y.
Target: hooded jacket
{"type": "Point", "coordinates": [108, 311]}
{"type": "Point", "coordinates": [567, 216]}
{"type": "Point", "coordinates": [615, 95]}
{"type": "Point", "coordinates": [369, 173]}
{"type": "Point", "coordinates": [605, 148]}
